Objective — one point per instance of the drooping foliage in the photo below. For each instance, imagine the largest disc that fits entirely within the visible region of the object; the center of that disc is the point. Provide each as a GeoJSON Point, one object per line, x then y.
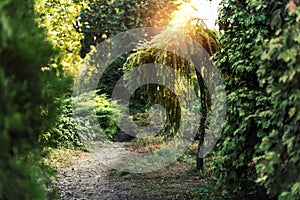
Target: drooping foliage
{"type": "Point", "coordinates": [155, 51]}
{"type": "Point", "coordinates": [247, 27]}
{"type": "Point", "coordinates": [279, 72]}
{"type": "Point", "coordinates": [23, 53]}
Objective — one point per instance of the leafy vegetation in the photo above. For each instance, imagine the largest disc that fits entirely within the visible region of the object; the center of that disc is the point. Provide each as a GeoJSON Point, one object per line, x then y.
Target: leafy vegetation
{"type": "Point", "coordinates": [156, 51]}
{"type": "Point", "coordinates": [94, 116]}
{"type": "Point", "coordinates": [260, 139]}
{"type": "Point", "coordinates": [239, 141]}
{"type": "Point", "coordinates": [59, 19]}
{"type": "Point", "coordinates": [101, 20]}
{"type": "Point", "coordinates": [279, 73]}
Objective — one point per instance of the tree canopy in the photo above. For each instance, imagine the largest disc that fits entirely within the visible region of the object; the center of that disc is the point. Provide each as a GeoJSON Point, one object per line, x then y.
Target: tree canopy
{"type": "Point", "coordinates": [103, 19]}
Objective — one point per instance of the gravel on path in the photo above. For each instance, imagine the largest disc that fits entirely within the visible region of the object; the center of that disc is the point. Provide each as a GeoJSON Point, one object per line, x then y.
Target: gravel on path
{"type": "Point", "coordinates": [90, 177]}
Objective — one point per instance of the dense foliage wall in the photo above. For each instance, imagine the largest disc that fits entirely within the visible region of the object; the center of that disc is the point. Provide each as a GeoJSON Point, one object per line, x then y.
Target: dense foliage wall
{"type": "Point", "coordinates": [23, 53]}
{"type": "Point", "coordinates": [278, 167]}
{"type": "Point", "coordinates": [259, 61]}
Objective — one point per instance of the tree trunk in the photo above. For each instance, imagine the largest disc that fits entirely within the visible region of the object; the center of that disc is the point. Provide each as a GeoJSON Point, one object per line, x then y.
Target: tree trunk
{"type": "Point", "coordinates": [201, 130]}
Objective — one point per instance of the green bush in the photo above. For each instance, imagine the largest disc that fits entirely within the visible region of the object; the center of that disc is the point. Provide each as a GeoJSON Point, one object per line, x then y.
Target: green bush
{"type": "Point", "coordinates": [86, 117]}
{"type": "Point", "coordinates": [95, 116]}
{"type": "Point", "coordinates": [64, 133]}
{"type": "Point", "coordinates": [105, 110]}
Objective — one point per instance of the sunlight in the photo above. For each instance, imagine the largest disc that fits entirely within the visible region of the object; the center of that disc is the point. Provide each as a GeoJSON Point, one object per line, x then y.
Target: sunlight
{"type": "Point", "coordinates": [203, 9]}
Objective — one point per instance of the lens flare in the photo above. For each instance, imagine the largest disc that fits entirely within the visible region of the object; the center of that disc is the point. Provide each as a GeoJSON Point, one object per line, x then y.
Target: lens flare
{"type": "Point", "coordinates": [199, 9]}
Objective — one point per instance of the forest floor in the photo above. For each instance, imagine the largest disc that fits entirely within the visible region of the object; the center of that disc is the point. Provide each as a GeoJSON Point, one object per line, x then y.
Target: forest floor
{"type": "Point", "coordinates": [89, 177]}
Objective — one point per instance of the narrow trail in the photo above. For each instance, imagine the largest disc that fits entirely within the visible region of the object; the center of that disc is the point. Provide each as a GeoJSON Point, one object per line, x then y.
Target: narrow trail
{"type": "Point", "coordinates": [91, 178]}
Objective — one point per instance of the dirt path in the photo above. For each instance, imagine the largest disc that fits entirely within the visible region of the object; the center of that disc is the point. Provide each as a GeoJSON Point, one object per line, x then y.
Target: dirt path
{"type": "Point", "coordinates": [91, 178]}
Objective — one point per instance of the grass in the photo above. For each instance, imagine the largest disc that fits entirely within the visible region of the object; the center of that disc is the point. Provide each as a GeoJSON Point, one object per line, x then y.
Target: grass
{"type": "Point", "coordinates": [59, 158]}
{"type": "Point", "coordinates": [152, 187]}
{"type": "Point", "coordinates": [204, 192]}
{"type": "Point", "coordinates": [149, 144]}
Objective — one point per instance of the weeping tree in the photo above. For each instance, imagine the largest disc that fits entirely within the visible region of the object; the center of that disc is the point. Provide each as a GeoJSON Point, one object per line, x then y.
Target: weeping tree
{"type": "Point", "coordinates": [156, 51]}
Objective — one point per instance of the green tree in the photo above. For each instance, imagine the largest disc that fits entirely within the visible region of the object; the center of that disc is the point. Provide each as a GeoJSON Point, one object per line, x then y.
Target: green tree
{"type": "Point", "coordinates": [103, 19]}
{"type": "Point", "coordinates": [23, 53]}
{"type": "Point", "coordinates": [59, 19]}
{"type": "Point", "coordinates": [156, 52]}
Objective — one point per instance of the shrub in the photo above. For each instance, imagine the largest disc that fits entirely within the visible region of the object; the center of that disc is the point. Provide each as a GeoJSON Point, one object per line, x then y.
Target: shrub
{"type": "Point", "coordinates": [95, 116]}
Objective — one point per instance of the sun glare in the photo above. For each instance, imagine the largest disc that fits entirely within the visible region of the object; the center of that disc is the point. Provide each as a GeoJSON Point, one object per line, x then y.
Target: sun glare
{"type": "Point", "coordinates": [202, 9]}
